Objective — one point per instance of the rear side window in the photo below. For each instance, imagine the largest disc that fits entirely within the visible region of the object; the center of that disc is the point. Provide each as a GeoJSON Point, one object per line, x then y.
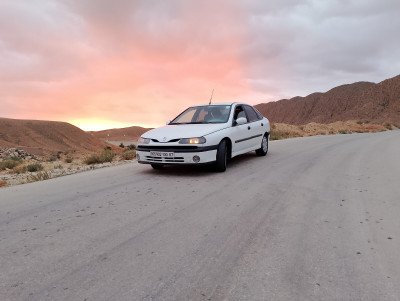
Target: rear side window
{"type": "Point", "coordinates": [251, 114]}
{"type": "Point", "coordinates": [260, 116]}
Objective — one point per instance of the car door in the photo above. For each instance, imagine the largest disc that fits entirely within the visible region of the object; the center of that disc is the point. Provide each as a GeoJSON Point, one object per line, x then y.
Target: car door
{"type": "Point", "coordinates": [255, 127]}
{"type": "Point", "coordinates": [241, 133]}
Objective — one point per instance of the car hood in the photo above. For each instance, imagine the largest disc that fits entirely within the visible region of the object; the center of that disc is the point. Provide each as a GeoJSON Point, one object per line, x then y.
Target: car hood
{"type": "Point", "coordinates": [170, 132]}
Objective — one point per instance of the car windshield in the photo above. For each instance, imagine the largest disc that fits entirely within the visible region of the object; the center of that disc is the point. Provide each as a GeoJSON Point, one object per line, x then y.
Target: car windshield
{"type": "Point", "coordinates": [204, 114]}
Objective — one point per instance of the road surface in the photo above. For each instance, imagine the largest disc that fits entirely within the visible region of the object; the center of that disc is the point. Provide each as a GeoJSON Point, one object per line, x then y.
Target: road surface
{"type": "Point", "coordinates": [317, 219]}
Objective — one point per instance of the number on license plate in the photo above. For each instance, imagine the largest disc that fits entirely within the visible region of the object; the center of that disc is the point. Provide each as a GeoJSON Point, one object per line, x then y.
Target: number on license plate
{"type": "Point", "coordinates": [162, 154]}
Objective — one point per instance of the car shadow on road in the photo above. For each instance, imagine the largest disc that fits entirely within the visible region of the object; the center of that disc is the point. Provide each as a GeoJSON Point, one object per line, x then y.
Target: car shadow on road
{"type": "Point", "coordinates": [200, 170]}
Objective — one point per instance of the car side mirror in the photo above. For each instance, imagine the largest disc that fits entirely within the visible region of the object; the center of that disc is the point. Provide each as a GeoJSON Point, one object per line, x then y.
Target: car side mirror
{"type": "Point", "coordinates": [168, 122]}
{"type": "Point", "coordinates": [241, 120]}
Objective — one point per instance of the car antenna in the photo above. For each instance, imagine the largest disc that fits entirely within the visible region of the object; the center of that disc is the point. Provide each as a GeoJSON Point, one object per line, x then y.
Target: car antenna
{"type": "Point", "coordinates": [212, 93]}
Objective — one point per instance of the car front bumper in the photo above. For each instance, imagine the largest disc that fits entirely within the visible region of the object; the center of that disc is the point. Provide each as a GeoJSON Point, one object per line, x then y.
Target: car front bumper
{"type": "Point", "coordinates": [181, 155]}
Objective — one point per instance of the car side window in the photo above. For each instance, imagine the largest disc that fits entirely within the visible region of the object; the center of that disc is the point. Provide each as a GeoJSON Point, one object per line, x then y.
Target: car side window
{"type": "Point", "coordinates": [251, 114]}
{"type": "Point", "coordinates": [259, 115]}
{"type": "Point", "coordinates": [239, 112]}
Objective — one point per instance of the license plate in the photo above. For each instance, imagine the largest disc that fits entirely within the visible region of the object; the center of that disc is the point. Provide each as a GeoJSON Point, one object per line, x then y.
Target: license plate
{"type": "Point", "coordinates": [162, 154]}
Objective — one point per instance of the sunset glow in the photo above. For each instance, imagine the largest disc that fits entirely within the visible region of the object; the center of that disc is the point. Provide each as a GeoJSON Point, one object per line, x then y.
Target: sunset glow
{"type": "Point", "coordinates": [100, 65]}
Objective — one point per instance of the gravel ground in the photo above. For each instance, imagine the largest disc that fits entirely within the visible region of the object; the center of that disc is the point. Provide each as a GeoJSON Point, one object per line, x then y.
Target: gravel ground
{"type": "Point", "coordinates": [53, 170]}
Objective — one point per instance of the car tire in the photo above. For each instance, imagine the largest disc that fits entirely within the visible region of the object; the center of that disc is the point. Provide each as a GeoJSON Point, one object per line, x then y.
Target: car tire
{"type": "Point", "coordinates": [157, 166]}
{"type": "Point", "coordinates": [263, 150]}
{"type": "Point", "coordinates": [222, 154]}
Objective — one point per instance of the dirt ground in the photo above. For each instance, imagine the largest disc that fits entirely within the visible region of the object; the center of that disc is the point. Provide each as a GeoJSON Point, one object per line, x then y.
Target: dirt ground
{"type": "Point", "coordinates": [51, 168]}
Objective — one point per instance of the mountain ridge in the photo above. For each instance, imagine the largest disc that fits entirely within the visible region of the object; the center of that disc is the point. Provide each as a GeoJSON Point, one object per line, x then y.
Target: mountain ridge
{"type": "Point", "coordinates": [40, 137]}
{"type": "Point", "coordinates": [364, 101]}
{"type": "Point", "coordinates": [119, 134]}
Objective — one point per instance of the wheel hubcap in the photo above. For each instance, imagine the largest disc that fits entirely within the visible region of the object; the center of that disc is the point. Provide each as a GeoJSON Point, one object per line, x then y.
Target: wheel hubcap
{"type": "Point", "coordinates": [265, 144]}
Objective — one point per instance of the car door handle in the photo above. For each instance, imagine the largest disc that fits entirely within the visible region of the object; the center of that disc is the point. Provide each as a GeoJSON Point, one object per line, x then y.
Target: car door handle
{"type": "Point", "coordinates": [248, 127]}
{"type": "Point", "coordinates": [262, 124]}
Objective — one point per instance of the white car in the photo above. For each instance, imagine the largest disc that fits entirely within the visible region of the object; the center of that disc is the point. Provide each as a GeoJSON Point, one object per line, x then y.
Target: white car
{"type": "Point", "coordinates": [206, 134]}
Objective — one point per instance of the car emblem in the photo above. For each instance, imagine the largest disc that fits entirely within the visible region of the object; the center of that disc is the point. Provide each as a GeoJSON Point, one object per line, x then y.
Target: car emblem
{"type": "Point", "coordinates": [164, 139]}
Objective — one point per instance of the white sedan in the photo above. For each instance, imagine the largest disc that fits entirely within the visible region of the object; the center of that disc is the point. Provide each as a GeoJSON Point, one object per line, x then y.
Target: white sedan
{"type": "Point", "coordinates": [206, 134]}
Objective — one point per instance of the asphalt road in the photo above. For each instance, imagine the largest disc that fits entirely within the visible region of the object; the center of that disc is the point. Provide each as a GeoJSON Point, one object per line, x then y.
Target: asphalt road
{"type": "Point", "coordinates": [317, 219]}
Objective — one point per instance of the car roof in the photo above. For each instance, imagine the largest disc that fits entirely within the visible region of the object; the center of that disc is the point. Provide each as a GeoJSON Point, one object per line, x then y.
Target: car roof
{"type": "Point", "coordinates": [219, 104]}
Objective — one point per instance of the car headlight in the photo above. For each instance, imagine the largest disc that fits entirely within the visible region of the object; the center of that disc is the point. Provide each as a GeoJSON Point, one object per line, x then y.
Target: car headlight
{"type": "Point", "coordinates": [199, 140]}
{"type": "Point", "coordinates": [142, 140]}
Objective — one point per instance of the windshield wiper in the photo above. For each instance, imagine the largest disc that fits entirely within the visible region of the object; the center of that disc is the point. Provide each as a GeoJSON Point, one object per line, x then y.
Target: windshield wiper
{"type": "Point", "coordinates": [197, 122]}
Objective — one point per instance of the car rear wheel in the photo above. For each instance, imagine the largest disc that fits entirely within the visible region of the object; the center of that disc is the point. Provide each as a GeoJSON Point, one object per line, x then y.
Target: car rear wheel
{"type": "Point", "coordinates": [157, 166]}
{"type": "Point", "coordinates": [222, 153]}
{"type": "Point", "coordinates": [263, 150]}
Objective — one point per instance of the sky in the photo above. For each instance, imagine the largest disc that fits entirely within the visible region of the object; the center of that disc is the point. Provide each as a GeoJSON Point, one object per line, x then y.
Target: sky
{"type": "Point", "coordinates": [102, 64]}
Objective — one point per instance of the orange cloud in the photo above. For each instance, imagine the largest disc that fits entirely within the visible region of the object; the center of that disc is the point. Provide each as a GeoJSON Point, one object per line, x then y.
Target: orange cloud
{"type": "Point", "coordinates": [128, 72]}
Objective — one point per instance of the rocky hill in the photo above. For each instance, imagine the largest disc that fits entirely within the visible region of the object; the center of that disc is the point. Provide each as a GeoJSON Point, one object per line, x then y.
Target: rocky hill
{"type": "Point", "coordinates": [42, 137]}
{"type": "Point", "coordinates": [123, 134]}
{"type": "Point", "coordinates": [363, 101]}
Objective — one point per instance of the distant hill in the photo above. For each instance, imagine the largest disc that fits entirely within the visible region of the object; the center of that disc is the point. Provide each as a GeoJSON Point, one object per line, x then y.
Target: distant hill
{"type": "Point", "coordinates": [364, 101]}
{"type": "Point", "coordinates": [123, 134]}
{"type": "Point", "coordinates": [42, 137]}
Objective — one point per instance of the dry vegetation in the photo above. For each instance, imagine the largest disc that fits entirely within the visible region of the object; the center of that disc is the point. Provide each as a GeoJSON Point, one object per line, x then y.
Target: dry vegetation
{"type": "Point", "coordinates": [15, 171]}
{"type": "Point", "coordinates": [106, 155]}
{"type": "Point", "coordinates": [283, 131]}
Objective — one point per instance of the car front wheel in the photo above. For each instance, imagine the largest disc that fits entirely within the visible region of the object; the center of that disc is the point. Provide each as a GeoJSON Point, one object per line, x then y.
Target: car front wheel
{"type": "Point", "coordinates": [157, 166]}
{"type": "Point", "coordinates": [263, 150]}
{"type": "Point", "coordinates": [222, 151]}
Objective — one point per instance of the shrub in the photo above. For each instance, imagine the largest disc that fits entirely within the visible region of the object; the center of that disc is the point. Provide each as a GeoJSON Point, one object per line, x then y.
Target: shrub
{"type": "Point", "coordinates": [106, 155]}
{"type": "Point", "coordinates": [121, 145]}
{"type": "Point", "coordinates": [52, 158]}
{"type": "Point", "coordinates": [278, 135]}
{"type": "Point", "coordinates": [128, 154]}
{"type": "Point", "coordinates": [34, 167]}
{"type": "Point", "coordinates": [342, 132]}
{"type": "Point", "coordinates": [17, 159]}
{"type": "Point", "coordinates": [388, 126]}
{"type": "Point", "coordinates": [40, 176]}
{"type": "Point", "coordinates": [68, 160]}
{"type": "Point", "coordinates": [8, 164]}
{"type": "Point", "coordinates": [20, 169]}
{"type": "Point", "coordinates": [359, 122]}
{"type": "Point", "coordinates": [131, 146]}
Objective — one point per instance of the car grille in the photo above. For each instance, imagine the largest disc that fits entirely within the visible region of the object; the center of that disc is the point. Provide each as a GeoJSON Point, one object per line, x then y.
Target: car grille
{"type": "Point", "coordinates": [173, 140]}
{"type": "Point", "coordinates": [165, 160]}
